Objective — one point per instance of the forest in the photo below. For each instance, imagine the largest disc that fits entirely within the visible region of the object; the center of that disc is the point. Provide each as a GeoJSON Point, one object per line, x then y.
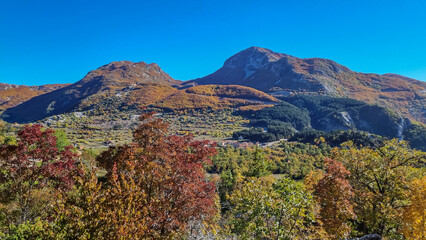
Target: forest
{"type": "Point", "coordinates": [167, 186]}
{"type": "Point", "coordinates": [307, 117]}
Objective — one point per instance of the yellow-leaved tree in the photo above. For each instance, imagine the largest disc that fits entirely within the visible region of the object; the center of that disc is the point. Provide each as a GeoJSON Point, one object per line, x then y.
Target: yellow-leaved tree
{"type": "Point", "coordinates": [380, 178]}
{"type": "Point", "coordinates": [414, 215]}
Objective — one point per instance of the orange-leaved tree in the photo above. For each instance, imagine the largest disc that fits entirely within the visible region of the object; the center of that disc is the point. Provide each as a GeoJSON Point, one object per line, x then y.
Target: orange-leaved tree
{"type": "Point", "coordinates": [335, 195]}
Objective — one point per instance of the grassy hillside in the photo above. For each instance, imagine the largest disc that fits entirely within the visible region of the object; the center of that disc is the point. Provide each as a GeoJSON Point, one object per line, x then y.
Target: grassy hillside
{"type": "Point", "coordinates": [12, 96]}
{"type": "Point", "coordinates": [232, 91]}
{"type": "Point", "coordinates": [114, 79]}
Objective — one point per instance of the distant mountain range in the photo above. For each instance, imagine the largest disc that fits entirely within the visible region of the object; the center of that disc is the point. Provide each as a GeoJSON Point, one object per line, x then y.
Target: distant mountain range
{"type": "Point", "coordinates": [126, 84]}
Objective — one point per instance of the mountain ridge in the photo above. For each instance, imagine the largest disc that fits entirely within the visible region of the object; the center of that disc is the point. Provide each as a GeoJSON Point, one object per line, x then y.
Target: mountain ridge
{"type": "Point", "coordinates": [275, 73]}
{"type": "Point", "coordinates": [112, 76]}
{"type": "Point", "coordinates": [12, 95]}
{"type": "Point", "coordinates": [125, 85]}
{"type": "Point", "coordinates": [278, 73]}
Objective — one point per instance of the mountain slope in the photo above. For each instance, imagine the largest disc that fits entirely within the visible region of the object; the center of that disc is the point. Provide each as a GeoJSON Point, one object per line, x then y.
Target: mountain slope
{"type": "Point", "coordinates": [232, 91]}
{"type": "Point", "coordinates": [215, 97]}
{"type": "Point", "coordinates": [12, 95]}
{"type": "Point", "coordinates": [105, 80]}
{"type": "Point", "coordinates": [282, 74]}
{"type": "Point", "coordinates": [123, 86]}
{"type": "Point", "coordinates": [333, 115]}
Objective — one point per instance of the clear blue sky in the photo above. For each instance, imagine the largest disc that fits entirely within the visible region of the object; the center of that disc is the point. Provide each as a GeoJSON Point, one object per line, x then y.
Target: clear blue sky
{"type": "Point", "coordinates": [55, 41]}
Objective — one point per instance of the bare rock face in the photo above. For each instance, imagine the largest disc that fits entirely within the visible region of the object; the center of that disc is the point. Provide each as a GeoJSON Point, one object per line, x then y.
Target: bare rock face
{"type": "Point", "coordinates": [5, 86]}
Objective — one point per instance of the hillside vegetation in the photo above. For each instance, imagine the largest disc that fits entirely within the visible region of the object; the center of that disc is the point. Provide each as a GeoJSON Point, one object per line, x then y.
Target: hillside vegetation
{"type": "Point", "coordinates": [14, 95]}
{"type": "Point", "coordinates": [232, 91]}
{"type": "Point", "coordinates": [122, 86]}
{"type": "Point", "coordinates": [281, 74]}
{"type": "Point", "coordinates": [325, 113]}
{"type": "Point", "coordinates": [157, 187]}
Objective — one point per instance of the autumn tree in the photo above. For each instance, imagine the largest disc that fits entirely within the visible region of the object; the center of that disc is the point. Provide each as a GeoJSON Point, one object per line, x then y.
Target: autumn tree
{"type": "Point", "coordinates": [30, 173]}
{"type": "Point", "coordinates": [154, 187]}
{"type": "Point", "coordinates": [265, 209]}
{"type": "Point", "coordinates": [258, 165]}
{"type": "Point", "coordinates": [311, 180]}
{"type": "Point", "coordinates": [379, 177]}
{"type": "Point", "coordinates": [61, 140]}
{"type": "Point", "coordinates": [96, 211]}
{"type": "Point", "coordinates": [4, 138]}
{"type": "Point", "coordinates": [414, 215]}
{"type": "Point", "coordinates": [335, 194]}
{"type": "Point", "coordinates": [233, 164]}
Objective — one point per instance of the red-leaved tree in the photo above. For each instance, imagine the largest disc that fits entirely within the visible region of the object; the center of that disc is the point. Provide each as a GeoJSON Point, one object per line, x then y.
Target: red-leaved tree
{"type": "Point", "coordinates": [154, 187]}
{"type": "Point", "coordinates": [169, 170]}
{"type": "Point", "coordinates": [30, 172]}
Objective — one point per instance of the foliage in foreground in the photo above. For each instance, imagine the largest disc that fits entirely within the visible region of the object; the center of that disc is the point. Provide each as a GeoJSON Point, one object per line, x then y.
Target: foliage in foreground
{"type": "Point", "coordinates": [156, 188]}
{"type": "Point", "coordinates": [268, 209]}
{"type": "Point", "coordinates": [334, 195]}
{"type": "Point", "coordinates": [30, 171]}
{"type": "Point", "coordinates": [380, 178]}
{"type": "Point", "coordinates": [153, 187]}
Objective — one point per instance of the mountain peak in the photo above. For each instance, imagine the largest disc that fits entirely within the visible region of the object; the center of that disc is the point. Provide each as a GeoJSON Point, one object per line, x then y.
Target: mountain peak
{"type": "Point", "coordinates": [254, 56]}
{"type": "Point", "coordinates": [280, 73]}
{"type": "Point", "coordinates": [105, 80]}
{"type": "Point", "coordinates": [126, 64]}
{"type": "Point", "coordinates": [252, 60]}
{"type": "Point", "coordinates": [272, 56]}
{"type": "Point", "coordinates": [127, 72]}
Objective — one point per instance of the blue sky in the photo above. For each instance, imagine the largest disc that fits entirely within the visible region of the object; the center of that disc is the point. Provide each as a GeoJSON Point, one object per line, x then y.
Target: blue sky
{"type": "Point", "coordinates": [60, 41]}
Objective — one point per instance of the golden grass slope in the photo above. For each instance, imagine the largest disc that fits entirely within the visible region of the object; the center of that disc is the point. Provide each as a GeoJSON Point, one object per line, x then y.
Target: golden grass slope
{"type": "Point", "coordinates": [10, 97]}
{"type": "Point", "coordinates": [215, 97]}
{"type": "Point", "coordinates": [170, 98]}
{"type": "Point", "coordinates": [232, 91]}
